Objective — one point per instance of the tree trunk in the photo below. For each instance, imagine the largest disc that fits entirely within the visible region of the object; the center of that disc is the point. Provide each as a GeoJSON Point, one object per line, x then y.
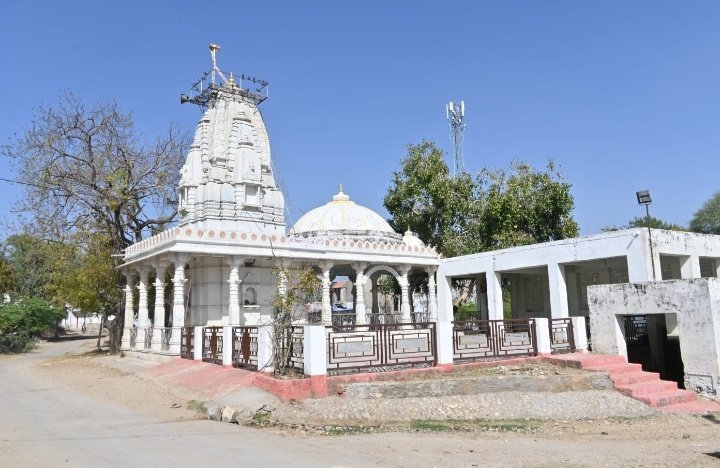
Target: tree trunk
{"type": "Point", "coordinates": [102, 319]}
{"type": "Point", "coordinates": [462, 297]}
{"type": "Point", "coordinates": [116, 328]}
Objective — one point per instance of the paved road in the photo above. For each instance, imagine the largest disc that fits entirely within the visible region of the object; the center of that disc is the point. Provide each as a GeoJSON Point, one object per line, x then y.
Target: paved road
{"type": "Point", "coordinates": [43, 425]}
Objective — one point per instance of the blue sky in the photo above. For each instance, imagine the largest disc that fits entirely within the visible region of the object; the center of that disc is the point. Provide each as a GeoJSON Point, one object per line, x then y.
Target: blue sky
{"type": "Point", "coordinates": [623, 95]}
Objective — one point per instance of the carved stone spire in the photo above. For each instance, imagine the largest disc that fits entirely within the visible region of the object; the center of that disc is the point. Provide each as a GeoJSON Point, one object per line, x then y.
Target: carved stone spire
{"type": "Point", "coordinates": [227, 182]}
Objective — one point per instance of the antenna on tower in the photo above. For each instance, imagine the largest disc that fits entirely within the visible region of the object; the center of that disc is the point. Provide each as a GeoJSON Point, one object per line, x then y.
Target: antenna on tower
{"type": "Point", "coordinates": [455, 114]}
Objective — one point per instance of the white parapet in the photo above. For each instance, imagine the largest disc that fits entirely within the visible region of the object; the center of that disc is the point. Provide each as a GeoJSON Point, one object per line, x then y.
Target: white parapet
{"type": "Point", "coordinates": [579, 333]}
{"type": "Point", "coordinates": [315, 350]}
{"type": "Point", "coordinates": [444, 335]}
{"type": "Point", "coordinates": [542, 335]}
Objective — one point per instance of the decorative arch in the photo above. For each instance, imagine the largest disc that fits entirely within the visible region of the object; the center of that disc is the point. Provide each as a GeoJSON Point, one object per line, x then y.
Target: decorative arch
{"type": "Point", "coordinates": [386, 268]}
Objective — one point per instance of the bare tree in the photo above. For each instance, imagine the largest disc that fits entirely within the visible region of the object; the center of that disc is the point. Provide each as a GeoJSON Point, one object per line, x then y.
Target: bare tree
{"type": "Point", "coordinates": [88, 166]}
{"type": "Point", "coordinates": [296, 289]}
{"type": "Point", "coordinates": [86, 169]}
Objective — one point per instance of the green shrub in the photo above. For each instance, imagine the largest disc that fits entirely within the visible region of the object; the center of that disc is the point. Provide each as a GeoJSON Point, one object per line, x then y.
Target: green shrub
{"type": "Point", "coordinates": [25, 320]}
{"type": "Point", "coordinates": [467, 311]}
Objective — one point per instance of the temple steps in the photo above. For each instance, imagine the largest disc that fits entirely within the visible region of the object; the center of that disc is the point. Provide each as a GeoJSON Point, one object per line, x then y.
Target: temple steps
{"type": "Point", "coordinates": [631, 380]}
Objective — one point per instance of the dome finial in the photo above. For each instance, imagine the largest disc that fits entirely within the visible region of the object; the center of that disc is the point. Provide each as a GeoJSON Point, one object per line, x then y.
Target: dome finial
{"type": "Point", "coordinates": [340, 196]}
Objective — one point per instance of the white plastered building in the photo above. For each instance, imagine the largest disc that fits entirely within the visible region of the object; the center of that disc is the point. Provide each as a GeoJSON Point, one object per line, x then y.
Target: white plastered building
{"type": "Point", "coordinates": [551, 279]}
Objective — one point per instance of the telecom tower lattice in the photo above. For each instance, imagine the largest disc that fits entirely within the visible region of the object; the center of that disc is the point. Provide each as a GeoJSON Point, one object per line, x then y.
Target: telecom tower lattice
{"type": "Point", "coordinates": [456, 118]}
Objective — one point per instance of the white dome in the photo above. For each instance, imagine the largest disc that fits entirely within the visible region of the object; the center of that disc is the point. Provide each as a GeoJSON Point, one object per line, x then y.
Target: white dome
{"type": "Point", "coordinates": [341, 216]}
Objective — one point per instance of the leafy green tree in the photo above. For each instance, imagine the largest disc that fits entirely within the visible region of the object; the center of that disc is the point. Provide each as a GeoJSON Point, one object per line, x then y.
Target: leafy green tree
{"type": "Point", "coordinates": [523, 205]}
{"type": "Point", "coordinates": [496, 209]}
{"type": "Point", "coordinates": [654, 223]}
{"type": "Point", "coordinates": [34, 261]}
{"type": "Point", "coordinates": [90, 281]}
{"type": "Point", "coordinates": [427, 200]}
{"type": "Point", "coordinates": [707, 219]}
{"type": "Point", "coordinates": [7, 277]}
{"type": "Point", "coordinates": [25, 320]}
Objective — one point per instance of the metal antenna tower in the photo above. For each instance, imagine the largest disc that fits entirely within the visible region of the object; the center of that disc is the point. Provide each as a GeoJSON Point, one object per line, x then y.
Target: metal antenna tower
{"type": "Point", "coordinates": [456, 118]}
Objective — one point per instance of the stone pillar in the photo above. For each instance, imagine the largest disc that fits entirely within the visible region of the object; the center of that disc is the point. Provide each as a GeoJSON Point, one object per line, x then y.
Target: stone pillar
{"type": "Point", "coordinates": [542, 335]}
{"type": "Point", "coordinates": [432, 298]}
{"type": "Point", "coordinates": [265, 348]}
{"type": "Point", "coordinates": [445, 353]}
{"type": "Point", "coordinates": [178, 305]}
{"type": "Point", "coordinates": [375, 305]}
{"type": "Point", "coordinates": [360, 315]}
{"type": "Point", "coordinates": [129, 312]}
{"type": "Point", "coordinates": [638, 258]}
{"type": "Point", "coordinates": [143, 320]}
{"type": "Point", "coordinates": [690, 267]}
{"type": "Point", "coordinates": [558, 291]}
{"type": "Point", "coordinates": [159, 324]}
{"type": "Point", "coordinates": [405, 311]}
{"type": "Point", "coordinates": [444, 297]}
{"type": "Point", "coordinates": [494, 293]}
{"type": "Point", "coordinates": [326, 304]}
{"type": "Point", "coordinates": [197, 343]}
{"type": "Point", "coordinates": [234, 296]}
{"type": "Point", "coordinates": [315, 350]}
{"type": "Point", "coordinates": [579, 333]}
{"type": "Point", "coordinates": [227, 338]}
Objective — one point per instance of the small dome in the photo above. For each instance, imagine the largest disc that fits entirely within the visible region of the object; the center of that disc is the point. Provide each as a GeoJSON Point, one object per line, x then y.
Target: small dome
{"type": "Point", "coordinates": [411, 240]}
{"type": "Point", "coordinates": [343, 217]}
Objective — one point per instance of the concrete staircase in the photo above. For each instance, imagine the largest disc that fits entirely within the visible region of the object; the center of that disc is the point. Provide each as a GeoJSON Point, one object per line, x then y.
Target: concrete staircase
{"type": "Point", "coordinates": [632, 381]}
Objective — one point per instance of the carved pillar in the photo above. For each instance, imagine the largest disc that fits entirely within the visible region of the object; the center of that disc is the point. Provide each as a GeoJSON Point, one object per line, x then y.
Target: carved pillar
{"type": "Point", "coordinates": [178, 314]}
{"type": "Point", "coordinates": [405, 297]}
{"type": "Point", "coordinates": [129, 311]}
{"type": "Point", "coordinates": [159, 325]}
{"type": "Point", "coordinates": [375, 305]}
{"type": "Point", "coordinates": [360, 316]}
{"type": "Point", "coordinates": [234, 299]}
{"type": "Point", "coordinates": [282, 284]}
{"type": "Point", "coordinates": [432, 299]}
{"type": "Point", "coordinates": [143, 320]}
{"type": "Point", "coordinates": [326, 304]}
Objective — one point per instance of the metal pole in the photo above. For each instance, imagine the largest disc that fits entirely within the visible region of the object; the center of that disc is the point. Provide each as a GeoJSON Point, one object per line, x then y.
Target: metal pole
{"type": "Point", "coordinates": [652, 255]}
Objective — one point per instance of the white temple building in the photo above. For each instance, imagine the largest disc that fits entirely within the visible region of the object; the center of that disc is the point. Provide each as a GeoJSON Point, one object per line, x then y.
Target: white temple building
{"type": "Point", "coordinates": [231, 236]}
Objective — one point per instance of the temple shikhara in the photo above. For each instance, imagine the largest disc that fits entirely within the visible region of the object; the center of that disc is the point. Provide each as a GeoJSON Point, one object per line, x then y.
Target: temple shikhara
{"type": "Point", "coordinates": [205, 288]}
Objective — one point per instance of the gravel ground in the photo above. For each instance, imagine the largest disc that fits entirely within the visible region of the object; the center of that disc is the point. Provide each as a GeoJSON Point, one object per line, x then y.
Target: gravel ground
{"type": "Point", "coordinates": [589, 404]}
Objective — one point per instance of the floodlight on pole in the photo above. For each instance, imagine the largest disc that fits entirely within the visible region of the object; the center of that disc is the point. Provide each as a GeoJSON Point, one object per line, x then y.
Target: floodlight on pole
{"type": "Point", "coordinates": [644, 198]}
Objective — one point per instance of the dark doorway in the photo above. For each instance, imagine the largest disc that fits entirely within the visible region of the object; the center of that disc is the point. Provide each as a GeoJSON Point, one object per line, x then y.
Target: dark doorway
{"type": "Point", "coordinates": [652, 345]}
